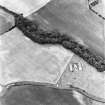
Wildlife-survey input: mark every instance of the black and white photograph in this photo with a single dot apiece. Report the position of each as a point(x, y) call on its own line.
point(52, 52)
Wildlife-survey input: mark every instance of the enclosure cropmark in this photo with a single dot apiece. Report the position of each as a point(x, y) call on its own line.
point(95, 6)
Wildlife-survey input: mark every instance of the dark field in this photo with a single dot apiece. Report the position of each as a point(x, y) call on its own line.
point(38, 95)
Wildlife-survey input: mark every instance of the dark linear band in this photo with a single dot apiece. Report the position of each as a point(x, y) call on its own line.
point(31, 30)
point(91, 9)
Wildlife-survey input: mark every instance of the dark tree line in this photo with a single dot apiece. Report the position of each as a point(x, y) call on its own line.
point(40, 36)
point(31, 30)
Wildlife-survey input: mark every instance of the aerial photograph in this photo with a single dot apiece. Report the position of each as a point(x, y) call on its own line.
point(52, 52)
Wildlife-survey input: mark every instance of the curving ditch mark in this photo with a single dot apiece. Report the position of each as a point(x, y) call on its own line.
point(93, 3)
